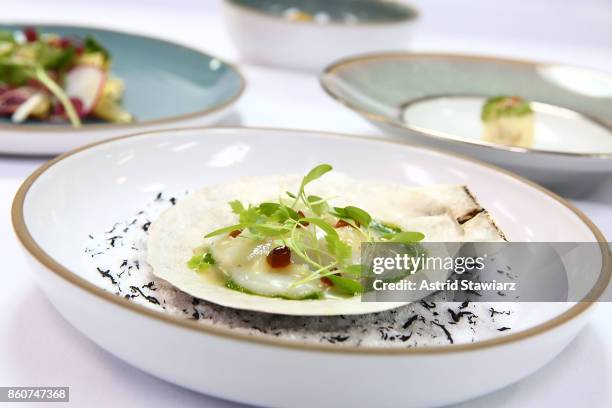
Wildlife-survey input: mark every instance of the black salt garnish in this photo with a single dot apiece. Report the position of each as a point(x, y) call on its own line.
point(410, 321)
point(448, 335)
point(151, 299)
point(107, 274)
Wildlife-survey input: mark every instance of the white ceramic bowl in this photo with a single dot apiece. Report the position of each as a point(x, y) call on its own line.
point(264, 33)
point(90, 188)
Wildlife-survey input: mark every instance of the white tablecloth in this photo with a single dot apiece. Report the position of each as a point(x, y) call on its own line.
point(37, 347)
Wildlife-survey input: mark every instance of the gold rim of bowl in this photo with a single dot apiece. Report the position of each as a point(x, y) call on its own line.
point(335, 67)
point(28, 242)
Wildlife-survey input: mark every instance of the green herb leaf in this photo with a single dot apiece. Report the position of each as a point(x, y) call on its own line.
point(346, 285)
point(92, 45)
point(328, 229)
point(312, 175)
point(316, 173)
point(318, 205)
point(268, 209)
point(384, 227)
point(404, 237)
point(338, 248)
point(225, 230)
point(201, 262)
point(359, 215)
point(352, 213)
point(236, 206)
point(250, 216)
point(352, 270)
point(268, 230)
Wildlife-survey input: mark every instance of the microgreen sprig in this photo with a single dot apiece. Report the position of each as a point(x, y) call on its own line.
point(287, 225)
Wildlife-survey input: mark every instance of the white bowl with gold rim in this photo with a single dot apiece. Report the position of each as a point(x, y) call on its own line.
point(88, 189)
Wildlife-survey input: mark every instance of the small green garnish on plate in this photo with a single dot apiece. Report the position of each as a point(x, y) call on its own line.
point(503, 105)
point(509, 121)
point(201, 262)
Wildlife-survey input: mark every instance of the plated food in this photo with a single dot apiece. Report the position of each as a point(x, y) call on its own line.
point(269, 244)
point(437, 100)
point(150, 84)
point(508, 120)
point(111, 285)
point(48, 77)
point(316, 32)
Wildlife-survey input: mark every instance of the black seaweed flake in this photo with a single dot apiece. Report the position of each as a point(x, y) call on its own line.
point(150, 286)
point(410, 321)
point(448, 335)
point(405, 338)
point(107, 274)
point(172, 200)
point(113, 239)
point(151, 299)
point(428, 306)
point(113, 228)
point(336, 339)
point(497, 312)
point(464, 304)
point(457, 316)
point(503, 328)
point(146, 225)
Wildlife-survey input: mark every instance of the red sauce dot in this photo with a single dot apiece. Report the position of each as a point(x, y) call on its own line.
point(326, 281)
point(279, 257)
point(342, 224)
point(235, 233)
point(30, 34)
point(302, 215)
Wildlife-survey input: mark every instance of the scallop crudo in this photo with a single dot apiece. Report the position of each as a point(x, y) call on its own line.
point(292, 245)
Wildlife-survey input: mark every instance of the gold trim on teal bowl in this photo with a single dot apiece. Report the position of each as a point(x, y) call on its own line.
point(335, 67)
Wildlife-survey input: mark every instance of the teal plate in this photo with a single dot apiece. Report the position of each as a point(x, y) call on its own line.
point(435, 100)
point(167, 84)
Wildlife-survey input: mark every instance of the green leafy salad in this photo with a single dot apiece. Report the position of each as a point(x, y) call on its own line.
point(56, 78)
point(298, 247)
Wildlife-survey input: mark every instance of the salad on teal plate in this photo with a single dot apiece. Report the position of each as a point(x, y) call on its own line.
point(76, 76)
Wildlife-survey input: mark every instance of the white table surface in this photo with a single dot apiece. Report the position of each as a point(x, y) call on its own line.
point(37, 347)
